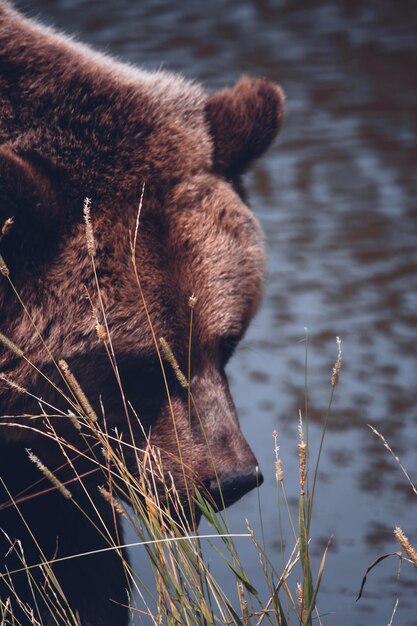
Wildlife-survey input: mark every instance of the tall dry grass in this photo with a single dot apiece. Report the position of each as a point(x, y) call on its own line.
point(184, 590)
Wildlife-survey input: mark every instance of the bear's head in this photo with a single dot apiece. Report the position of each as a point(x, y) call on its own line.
point(116, 329)
point(171, 281)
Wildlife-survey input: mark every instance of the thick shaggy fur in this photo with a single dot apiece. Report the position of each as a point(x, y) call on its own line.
point(74, 123)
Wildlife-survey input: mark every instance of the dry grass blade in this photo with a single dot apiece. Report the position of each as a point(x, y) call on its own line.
point(393, 613)
point(396, 458)
point(371, 566)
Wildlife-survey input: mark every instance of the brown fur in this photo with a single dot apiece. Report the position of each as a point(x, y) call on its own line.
point(74, 123)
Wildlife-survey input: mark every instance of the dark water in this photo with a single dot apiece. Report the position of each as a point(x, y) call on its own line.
point(337, 199)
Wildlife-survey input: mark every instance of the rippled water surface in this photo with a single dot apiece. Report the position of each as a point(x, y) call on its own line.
point(337, 199)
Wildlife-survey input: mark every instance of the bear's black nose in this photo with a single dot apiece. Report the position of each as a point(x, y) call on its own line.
point(228, 488)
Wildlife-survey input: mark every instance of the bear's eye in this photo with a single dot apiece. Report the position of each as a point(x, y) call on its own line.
point(228, 345)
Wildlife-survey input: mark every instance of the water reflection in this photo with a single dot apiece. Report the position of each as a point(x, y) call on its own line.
point(337, 201)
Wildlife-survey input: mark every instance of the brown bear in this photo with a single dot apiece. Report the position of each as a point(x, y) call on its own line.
point(162, 162)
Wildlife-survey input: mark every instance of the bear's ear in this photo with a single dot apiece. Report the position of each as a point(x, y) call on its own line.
point(26, 195)
point(243, 122)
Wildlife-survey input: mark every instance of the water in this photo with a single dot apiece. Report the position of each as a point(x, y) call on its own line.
point(336, 197)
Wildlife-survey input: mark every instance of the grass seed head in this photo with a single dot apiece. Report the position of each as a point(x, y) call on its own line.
point(109, 497)
point(91, 242)
point(101, 332)
point(192, 301)
point(49, 475)
point(300, 594)
point(74, 420)
point(302, 454)
point(11, 383)
point(3, 267)
point(7, 226)
point(169, 355)
point(338, 364)
point(279, 472)
point(406, 545)
point(77, 391)
point(10, 345)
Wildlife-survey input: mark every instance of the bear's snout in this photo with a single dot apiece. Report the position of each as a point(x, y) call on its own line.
point(226, 489)
point(226, 465)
